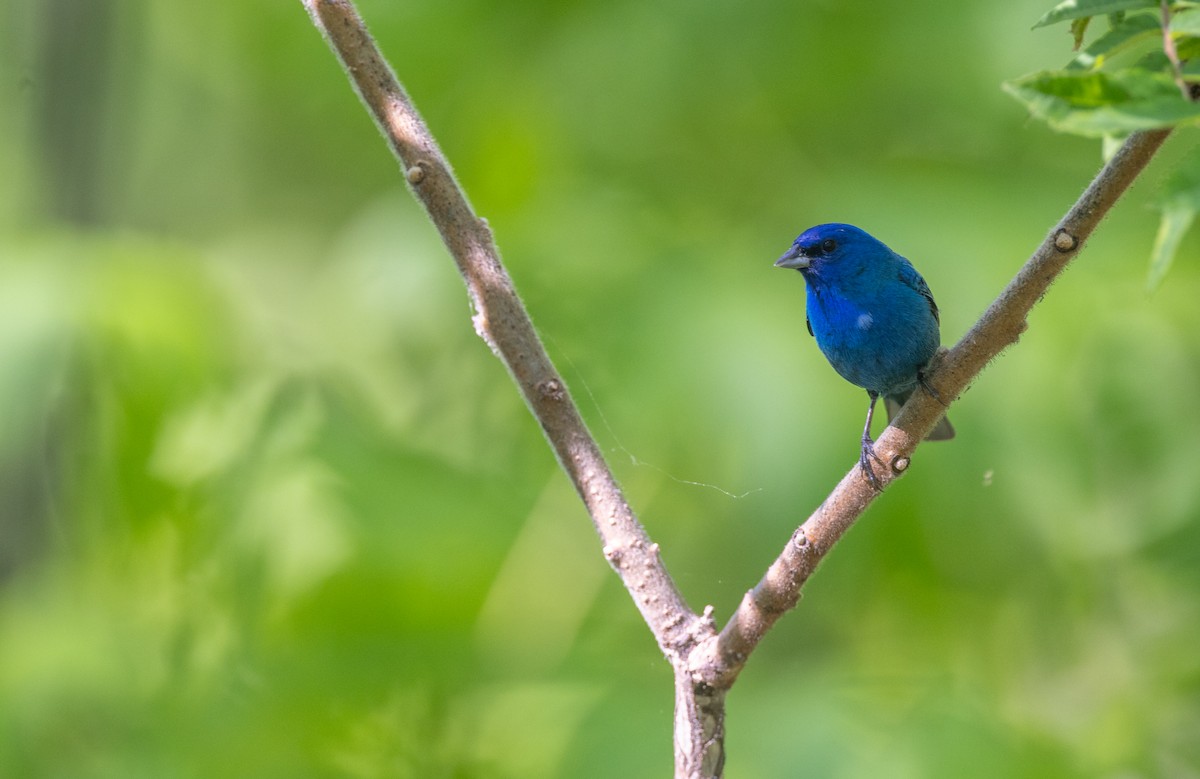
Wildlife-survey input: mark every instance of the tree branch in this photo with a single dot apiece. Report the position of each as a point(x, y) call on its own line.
point(502, 322)
point(719, 660)
point(706, 663)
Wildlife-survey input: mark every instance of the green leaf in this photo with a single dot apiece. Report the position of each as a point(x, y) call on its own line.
point(1110, 145)
point(1153, 61)
point(1179, 203)
point(1094, 104)
point(1130, 32)
point(1186, 23)
point(1171, 229)
point(1077, 9)
point(1078, 28)
point(1188, 47)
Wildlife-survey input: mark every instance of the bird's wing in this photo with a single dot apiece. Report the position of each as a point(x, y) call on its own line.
point(909, 275)
point(808, 324)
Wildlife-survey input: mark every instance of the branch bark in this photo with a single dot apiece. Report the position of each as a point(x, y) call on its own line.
point(502, 322)
point(706, 663)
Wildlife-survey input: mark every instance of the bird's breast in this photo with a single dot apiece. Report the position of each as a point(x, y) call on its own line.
point(876, 344)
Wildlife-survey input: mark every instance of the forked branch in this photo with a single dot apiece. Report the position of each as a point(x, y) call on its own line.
point(706, 663)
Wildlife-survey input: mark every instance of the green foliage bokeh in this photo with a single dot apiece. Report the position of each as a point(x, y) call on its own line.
point(269, 508)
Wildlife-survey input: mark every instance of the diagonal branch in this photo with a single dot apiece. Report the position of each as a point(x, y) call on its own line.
point(718, 661)
point(502, 322)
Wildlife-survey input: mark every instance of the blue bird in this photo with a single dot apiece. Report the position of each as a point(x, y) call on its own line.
point(873, 317)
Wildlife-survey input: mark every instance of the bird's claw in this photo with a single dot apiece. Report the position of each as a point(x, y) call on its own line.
point(864, 461)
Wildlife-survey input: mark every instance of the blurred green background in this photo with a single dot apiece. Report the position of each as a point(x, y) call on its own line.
point(269, 508)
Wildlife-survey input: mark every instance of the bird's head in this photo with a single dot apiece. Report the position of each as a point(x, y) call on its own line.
point(831, 248)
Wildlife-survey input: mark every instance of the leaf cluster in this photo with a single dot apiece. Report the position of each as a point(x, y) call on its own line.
point(1142, 73)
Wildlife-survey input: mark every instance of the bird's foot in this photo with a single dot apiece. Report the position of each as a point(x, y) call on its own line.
point(864, 461)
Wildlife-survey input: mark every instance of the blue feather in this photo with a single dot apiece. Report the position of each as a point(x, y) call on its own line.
point(871, 313)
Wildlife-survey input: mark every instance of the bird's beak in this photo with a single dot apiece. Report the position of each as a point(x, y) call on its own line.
point(793, 258)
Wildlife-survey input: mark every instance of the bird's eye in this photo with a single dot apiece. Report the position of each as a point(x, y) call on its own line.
point(828, 245)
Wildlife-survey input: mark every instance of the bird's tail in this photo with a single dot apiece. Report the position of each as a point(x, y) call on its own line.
point(942, 431)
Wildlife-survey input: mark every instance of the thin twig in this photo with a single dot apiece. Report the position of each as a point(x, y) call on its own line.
point(1171, 52)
